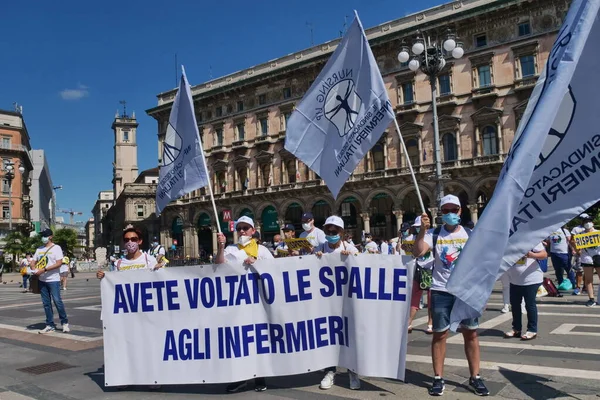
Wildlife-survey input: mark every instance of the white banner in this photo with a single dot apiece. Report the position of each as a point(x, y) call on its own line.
point(222, 323)
point(553, 168)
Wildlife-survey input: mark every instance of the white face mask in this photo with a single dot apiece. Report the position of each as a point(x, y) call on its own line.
point(588, 225)
point(244, 240)
point(307, 226)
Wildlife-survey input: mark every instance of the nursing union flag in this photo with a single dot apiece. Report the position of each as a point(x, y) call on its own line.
point(343, 114)
point(183, 167)
point(552, 171)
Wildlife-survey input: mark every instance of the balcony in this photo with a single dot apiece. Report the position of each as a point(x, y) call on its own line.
point(484, 92)
point(409, 107)
point(239, 144)
point(525, 83)
point(262, 138)
point(217, 149)
point(446, 99)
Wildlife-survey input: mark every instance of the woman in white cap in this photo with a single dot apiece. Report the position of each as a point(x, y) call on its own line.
point(334, 232)
point(246, 251)
point(422, 281)
point(590, 257)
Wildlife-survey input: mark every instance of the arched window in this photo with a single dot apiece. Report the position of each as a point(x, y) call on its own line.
point(412, 146)
point(378, 157)
point(221, 182)
point(490, 141)
point(449, 143)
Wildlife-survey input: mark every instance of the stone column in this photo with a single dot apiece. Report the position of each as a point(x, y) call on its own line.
point(284, 174)
point(420, 147)
point(457, 137)
point(187, 241)
point(366, 218)
point(473, 208)
point(434, 213)
point(195, 249)
point(477, 141)
point(298, 174)
point(235, 236)
point(257, 225)
point(399, 218)
point(214, 239)
point(248, 177)
point(500, 139)
point(236, 180)
point(385, 156)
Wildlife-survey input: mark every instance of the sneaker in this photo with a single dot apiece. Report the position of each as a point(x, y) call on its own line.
point(354, 380)
point(260, 384)
point(478, 386)
point(590, 303)
point(66, 328)
point(576, 292)
point(437, 388)
point(47, 329)
point(236, 386)
point(505, 309)
point(327, 381)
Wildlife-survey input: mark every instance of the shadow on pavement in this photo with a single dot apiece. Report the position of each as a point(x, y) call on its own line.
point(36, 327)
point(491, 333)
point(532, 385)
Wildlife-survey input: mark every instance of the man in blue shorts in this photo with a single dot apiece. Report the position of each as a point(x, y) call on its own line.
point(447, 242)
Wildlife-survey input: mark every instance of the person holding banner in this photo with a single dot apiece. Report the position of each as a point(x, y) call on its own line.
point(334, 231)
point(589, 257)
point(314, 235)
point(525, 278)
point(135, 258)
point(247, 251)
point(447, 242)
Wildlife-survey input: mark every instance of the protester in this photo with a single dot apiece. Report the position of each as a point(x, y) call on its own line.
point(247, 252)
point(384, 247)
point(135, 258)
point(558, 243)
point(370, 246)
point(403, 233)
point(424, 264)
point(277, 243)
point(334, 231)
point(72, 268)
point(157, 251)
point(64, 273)
point(590, 257)
point(314, 235)
point(46, 262)
point(447, 242)
point(25, 271)
point(525, 277)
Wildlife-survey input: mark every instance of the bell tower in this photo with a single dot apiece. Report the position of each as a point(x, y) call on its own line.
point(125, 167)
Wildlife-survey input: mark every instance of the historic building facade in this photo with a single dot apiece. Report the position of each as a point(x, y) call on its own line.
point(482, 96)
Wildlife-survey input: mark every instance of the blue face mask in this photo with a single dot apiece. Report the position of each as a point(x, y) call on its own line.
point(451, 219)
point(332, 239)
point(417, 230)
point(404, 233)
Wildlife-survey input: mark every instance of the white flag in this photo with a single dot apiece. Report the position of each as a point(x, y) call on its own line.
point(343, 114)
point(552, 171)
point(183, 167)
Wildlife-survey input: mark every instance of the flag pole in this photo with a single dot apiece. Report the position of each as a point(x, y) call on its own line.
point(412, 172)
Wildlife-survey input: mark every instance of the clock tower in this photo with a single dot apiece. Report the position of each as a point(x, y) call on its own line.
point(125, 167)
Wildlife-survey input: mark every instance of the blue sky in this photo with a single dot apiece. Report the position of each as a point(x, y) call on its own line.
point(70, 62)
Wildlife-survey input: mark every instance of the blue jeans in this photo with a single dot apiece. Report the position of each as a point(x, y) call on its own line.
point(561, 264)
point(517, 293)
point(441, 307)
point(51, 290)
point(25, 280)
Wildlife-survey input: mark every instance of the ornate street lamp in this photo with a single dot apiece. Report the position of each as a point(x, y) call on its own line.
point(9, 175)
point(429, 55)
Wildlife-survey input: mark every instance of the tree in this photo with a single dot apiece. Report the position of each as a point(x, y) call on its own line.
point(15, 244)
point(32, 243)
point(67, 240)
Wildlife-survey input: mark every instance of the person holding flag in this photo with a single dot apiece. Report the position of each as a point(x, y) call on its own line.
point(446, 242)
point(247, 251)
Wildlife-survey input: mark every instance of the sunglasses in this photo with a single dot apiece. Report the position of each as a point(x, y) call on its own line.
point(243, 228)
point(450, 210)
point(131, 239)
point(331, 232)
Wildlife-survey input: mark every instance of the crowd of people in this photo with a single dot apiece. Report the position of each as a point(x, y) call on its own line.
point(435, 251)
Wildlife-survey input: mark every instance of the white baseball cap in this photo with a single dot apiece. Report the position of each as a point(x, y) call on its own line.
point(449, 199)
point(585, 216)
point(246, 220)
point(417, 222)
point(335, 220)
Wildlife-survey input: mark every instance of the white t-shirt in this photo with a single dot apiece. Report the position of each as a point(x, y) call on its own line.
point(343, 246)
point(384, 248)
point(64, 268)
point(315, 237)
point(526, 271)
point(145, 260)
point(586, 254)
point(448, 248)
point(559, 241)
point(46, 257)
point(233, 253)
point(371, 247)
point(426, 261)
point(157, 251)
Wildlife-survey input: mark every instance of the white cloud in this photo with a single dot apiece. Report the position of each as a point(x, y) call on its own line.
point(75, 94)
